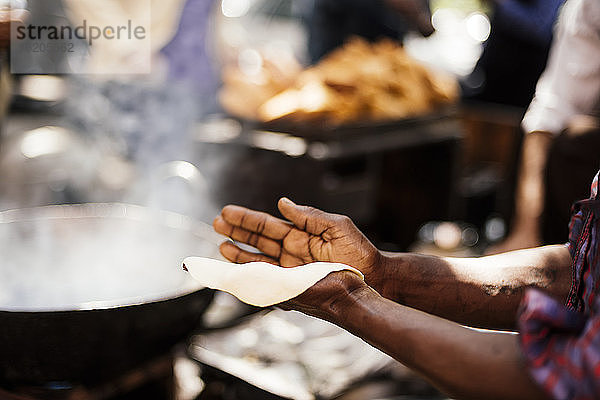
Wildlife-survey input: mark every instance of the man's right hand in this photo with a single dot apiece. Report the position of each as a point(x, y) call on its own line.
point(308, 235)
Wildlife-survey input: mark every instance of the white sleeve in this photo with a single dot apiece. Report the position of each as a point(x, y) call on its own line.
point(570, 85)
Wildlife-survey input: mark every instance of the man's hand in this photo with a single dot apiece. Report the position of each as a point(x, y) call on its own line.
point(329, 298)
point(309, 235)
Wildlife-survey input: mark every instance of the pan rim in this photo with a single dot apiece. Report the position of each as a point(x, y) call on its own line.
point(106, 304)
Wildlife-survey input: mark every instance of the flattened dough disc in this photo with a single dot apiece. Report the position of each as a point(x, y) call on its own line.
point(259, 283)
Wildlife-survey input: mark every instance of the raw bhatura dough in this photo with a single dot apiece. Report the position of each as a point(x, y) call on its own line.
point(258, 283)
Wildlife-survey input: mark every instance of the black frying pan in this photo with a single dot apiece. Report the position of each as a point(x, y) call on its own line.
point(88, 292)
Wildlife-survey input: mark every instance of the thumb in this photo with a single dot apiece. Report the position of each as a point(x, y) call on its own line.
point(309, 219)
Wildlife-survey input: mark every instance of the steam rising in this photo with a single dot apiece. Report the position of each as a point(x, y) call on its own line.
point(133, 143)
point(122, 255)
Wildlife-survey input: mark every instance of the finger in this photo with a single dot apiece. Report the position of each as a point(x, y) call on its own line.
point(295, 243)
point(256, 221)
point(234, 254)
point(268, 246)
point(309, 219)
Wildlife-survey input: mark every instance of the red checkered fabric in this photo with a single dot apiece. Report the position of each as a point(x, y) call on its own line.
point(562, 342)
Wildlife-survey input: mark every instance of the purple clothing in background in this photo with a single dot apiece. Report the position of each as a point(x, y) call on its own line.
point(188, 53)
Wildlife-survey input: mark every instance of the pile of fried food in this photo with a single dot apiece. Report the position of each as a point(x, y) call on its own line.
point(357, 83)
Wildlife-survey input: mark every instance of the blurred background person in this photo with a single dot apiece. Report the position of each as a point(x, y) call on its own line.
point(561, 134)
point(495, 96)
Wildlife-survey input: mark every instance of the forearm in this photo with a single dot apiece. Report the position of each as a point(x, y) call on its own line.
point(483, 292)
point(461, 362)
point(530, 188)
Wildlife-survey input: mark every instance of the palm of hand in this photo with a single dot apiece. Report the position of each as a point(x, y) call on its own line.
point(312, 236)
point(341, 243)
